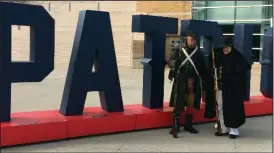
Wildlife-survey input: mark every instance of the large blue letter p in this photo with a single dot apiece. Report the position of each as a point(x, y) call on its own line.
point(41, 49)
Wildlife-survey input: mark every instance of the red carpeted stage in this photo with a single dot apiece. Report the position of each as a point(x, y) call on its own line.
point(40, 126)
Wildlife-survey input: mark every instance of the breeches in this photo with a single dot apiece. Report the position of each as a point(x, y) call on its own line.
point(189, 98)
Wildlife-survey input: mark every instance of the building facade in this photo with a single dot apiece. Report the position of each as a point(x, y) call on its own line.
point(128, 46)
point(229, 13)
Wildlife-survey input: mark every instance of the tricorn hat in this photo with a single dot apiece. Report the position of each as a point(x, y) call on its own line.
point(227, 41)
point(188, 33)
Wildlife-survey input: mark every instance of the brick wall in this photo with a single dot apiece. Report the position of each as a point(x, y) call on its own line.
point(66, 18)
point(128, 45)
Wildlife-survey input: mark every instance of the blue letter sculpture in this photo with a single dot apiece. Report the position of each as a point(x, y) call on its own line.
point(266, 86)
point(93, 45)
point(243, 43)
point(41, 49)
point(155, 29)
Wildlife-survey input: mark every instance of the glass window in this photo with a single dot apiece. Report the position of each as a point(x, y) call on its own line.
point(199, 14)
point(214, 13)
point(267, 11)
point(221, 3)
point(226, 14)
point(198, 3)
point(246, 3)
point(220, 14)
point(248, 13)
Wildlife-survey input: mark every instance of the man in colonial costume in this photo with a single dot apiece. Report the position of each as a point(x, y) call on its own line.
point(229, 83)
point(189, 72)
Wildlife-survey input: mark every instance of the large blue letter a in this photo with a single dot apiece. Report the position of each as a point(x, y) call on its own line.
point(93, 45)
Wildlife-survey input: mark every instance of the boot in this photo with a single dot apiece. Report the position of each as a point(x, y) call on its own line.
point(174, 129)
point(188, 125)
point(178, 118)
point(221, 134)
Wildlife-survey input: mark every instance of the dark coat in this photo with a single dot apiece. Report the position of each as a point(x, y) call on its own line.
point(235, 69)
point(199, 61)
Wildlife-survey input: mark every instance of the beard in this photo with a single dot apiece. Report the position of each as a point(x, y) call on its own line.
point(190, 45)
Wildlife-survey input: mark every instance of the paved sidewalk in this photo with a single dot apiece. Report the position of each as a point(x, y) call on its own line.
point(46, 95)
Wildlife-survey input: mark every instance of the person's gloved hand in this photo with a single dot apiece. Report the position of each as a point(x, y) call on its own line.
point(177, 63)
point(171, 74)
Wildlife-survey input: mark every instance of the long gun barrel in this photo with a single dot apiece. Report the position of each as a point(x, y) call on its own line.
point(216, 91)
point(176, 77)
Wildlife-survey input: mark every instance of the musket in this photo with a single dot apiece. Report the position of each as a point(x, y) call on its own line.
point(176, 69)
point(175, 76)
point(219, 129)
point(176, 89)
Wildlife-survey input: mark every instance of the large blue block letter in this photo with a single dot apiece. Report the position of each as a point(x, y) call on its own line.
point(93, 45)
point(41, 49)
point(155, 29)
point(243, 43)
point(266, 86)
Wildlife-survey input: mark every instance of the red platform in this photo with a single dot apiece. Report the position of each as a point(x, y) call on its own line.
point(33, 127)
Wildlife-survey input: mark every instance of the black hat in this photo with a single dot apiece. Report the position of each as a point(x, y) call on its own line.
point(227, 41)
point(188, 33)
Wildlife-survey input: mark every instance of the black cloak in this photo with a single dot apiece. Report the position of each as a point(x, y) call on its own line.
point(235, 68)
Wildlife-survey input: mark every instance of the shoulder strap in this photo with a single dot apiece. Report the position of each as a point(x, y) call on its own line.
point(188, 58)
point(192, 63)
